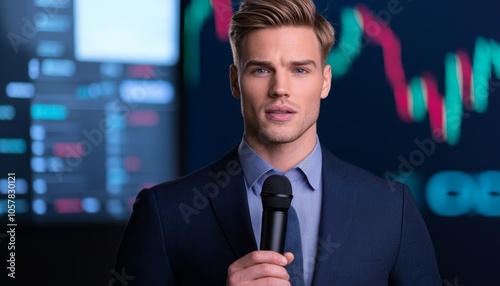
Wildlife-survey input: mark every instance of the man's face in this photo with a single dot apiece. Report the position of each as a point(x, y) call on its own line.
point(280, 82)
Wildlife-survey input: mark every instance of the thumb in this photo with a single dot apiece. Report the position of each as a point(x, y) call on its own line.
point(289, 256)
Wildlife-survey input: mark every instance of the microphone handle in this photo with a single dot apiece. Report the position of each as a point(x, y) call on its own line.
point(273, 230)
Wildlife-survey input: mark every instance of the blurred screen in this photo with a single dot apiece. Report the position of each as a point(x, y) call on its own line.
point(89, 105)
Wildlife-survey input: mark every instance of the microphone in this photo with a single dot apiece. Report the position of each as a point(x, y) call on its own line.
point(276, 200)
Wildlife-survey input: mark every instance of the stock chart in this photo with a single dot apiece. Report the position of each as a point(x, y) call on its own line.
point(415, 99)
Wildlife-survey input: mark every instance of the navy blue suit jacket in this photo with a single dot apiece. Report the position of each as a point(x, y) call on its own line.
point(188, 231)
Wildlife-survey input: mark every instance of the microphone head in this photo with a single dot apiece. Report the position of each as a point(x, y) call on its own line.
point(276, 193)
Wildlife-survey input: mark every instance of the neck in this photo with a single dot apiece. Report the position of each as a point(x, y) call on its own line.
point(284, 156)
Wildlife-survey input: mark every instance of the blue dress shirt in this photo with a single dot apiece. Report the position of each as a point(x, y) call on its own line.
point(306, 182)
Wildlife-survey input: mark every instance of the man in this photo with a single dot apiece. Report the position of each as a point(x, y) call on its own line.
point(204, 229)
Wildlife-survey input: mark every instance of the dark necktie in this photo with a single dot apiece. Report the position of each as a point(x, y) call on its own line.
point(293, 245)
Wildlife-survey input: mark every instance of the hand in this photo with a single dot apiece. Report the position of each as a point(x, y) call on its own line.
point(260, 268)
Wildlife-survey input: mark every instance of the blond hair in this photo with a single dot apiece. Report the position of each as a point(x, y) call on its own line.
point(258, 14)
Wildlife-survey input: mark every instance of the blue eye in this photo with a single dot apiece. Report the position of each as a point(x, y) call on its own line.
point(299, 70)
point(260, 71)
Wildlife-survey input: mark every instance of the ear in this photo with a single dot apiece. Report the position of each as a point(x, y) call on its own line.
point(327, 81)
point(233, 79)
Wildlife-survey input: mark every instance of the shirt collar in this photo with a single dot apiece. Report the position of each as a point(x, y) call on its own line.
point(311, 166)
point(254, 166)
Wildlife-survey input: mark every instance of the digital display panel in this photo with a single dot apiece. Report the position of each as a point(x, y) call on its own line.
point(89, 105)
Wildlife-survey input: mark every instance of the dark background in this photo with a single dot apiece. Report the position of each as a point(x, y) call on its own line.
point(358, 123)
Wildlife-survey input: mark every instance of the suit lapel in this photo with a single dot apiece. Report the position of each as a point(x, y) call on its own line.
point(230, 205)
point(336, 215)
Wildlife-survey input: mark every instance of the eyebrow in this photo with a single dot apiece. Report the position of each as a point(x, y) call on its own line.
point(302, 63)
point(256, 63)
point(291, 63)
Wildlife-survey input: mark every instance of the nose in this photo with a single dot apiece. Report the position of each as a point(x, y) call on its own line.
point(279, 85)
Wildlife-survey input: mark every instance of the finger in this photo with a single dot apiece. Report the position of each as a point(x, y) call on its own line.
point(271, 281)
point(290, 257)
point(262, 272)
point(258, 257)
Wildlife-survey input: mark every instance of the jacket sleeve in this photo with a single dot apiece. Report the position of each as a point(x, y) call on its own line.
point(416, 262)
point(142, 258)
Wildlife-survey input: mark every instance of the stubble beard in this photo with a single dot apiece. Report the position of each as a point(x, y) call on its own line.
point(267, 137)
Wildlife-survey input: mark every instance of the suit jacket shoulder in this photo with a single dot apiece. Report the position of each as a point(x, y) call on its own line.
point(189, 230)
point(371, 231)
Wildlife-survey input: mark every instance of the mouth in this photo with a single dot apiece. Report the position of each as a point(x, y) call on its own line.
point(280, 110)
point(280, 113)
